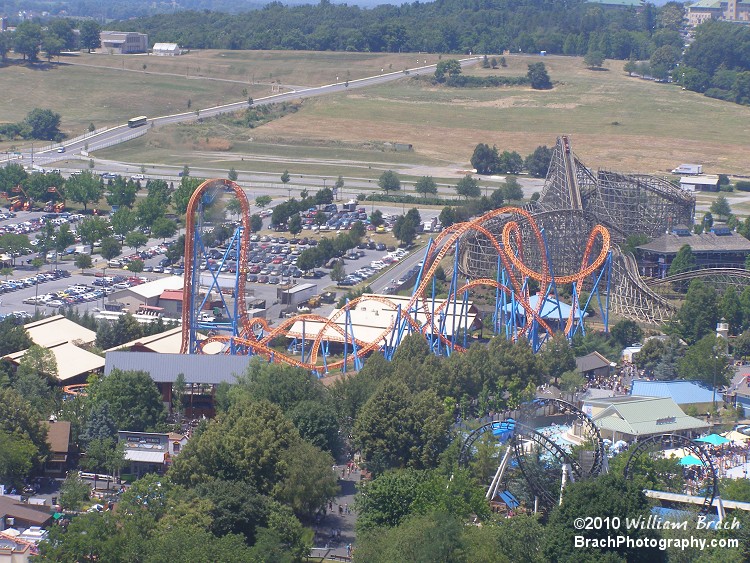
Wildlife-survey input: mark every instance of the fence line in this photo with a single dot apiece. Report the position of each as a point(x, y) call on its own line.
point(106, 144)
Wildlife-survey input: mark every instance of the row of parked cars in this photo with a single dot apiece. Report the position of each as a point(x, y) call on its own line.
point(360, 275)
point(20, 283)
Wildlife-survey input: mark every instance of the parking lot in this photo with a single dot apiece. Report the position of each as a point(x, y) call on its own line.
point(272, 262)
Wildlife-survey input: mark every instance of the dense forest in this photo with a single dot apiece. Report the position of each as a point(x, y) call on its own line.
point(569, 27)
point(718, 62)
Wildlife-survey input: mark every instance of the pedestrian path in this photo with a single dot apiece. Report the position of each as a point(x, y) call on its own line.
point(335, 531)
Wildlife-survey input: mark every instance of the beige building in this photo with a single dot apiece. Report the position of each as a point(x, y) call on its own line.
point(146, 294)
point(67, 342)
point(123, 42)
point(726, 10)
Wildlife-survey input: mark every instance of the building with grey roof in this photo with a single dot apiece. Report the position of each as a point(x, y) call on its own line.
point(202, 372)
point(726, 10)
point(721, 248)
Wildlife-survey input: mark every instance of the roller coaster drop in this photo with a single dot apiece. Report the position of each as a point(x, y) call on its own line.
point(513, 314)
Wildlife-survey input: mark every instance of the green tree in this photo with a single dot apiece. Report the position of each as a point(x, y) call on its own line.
point(232, 175)
point(234, 207)
point(16, 462)
point(387, 500)
point(93, 229)
point(405, 229)
point(731, 310)
point(136, 266)
point(44, 124)
point(309, 482)
point(389, 181)
point(14, 337)
point(110, 248)
point(37, 369)
point(122, 193)
point(557, 357)
point(99, 424)
point(248, 443)
point(84, 188)
point(376, 218)
point(684, 261)
point(14, 244)
point(295, 224)
point(720, 207)
point(74, 492)
point(256, 223)
point(104, 455)
point(183, 193)
point(83, 261)
point(537, 163)
point(538, 77)
point(698, 315)
point(338, 272)
point(263, 200)
point(63, 30)
point(135, 240)
point(426, 185)
point(324, 196)
point(468, 187)
point(89, 34)
point(123, 222)
point(626, 332)
point(512, 190)
point(428, 537)
point(63, 239)
point(26, 40)
point(398, 429)
point(703, 359)
point(593, 58)
point(451, 67)
point(485, 160)
point(134, 400)
point(608, 496)
point(163, 228)
point(52, 46)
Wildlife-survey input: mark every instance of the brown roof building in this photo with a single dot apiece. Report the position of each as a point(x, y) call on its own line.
point(23, 515)
point(58, 438)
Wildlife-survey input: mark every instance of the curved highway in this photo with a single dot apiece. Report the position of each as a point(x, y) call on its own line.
point(122, 133)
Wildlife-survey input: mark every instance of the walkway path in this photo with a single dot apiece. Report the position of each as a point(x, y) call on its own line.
point(341, 516)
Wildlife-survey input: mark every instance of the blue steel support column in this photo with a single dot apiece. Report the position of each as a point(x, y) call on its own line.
point(465, 313)
point(454, 289)
point(495, 316)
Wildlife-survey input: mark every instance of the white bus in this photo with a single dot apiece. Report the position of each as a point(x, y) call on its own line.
point(137, 121)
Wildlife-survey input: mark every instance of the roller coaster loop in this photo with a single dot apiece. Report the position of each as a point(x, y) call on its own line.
point(424, 314)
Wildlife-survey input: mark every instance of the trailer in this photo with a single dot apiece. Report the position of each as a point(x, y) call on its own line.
point(688, 169)
point(296, 294)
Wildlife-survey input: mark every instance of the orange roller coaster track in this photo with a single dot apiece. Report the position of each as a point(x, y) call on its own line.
point(256, 336)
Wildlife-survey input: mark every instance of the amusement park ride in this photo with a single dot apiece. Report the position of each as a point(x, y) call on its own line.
point(511, 282)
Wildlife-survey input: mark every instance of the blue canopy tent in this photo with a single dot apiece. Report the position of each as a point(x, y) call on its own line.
point(714, 440)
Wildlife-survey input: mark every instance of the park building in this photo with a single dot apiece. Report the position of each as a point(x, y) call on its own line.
point(166, 50)
point(68, 342)
point(632, 418)
point(123, 42)
point(700, 183)
point(720, 248)
point(725, 10)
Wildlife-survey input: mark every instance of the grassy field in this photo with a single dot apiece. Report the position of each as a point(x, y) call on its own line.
point(109, 89)
point(615, 121)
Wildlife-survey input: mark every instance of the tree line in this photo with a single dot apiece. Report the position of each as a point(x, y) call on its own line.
point(457, 26)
